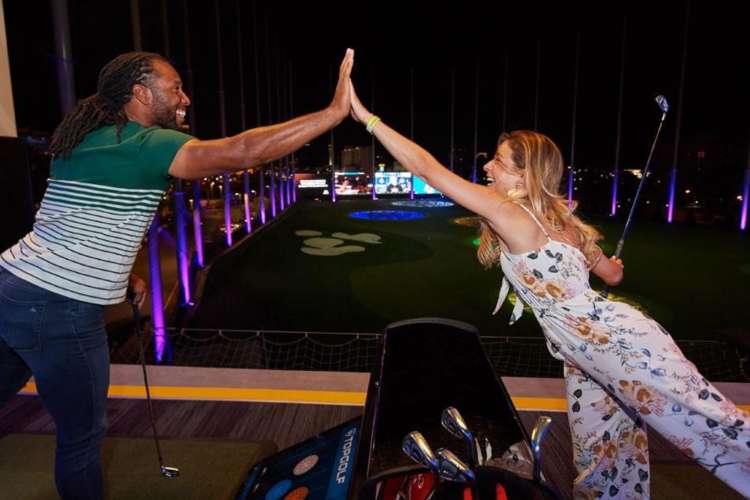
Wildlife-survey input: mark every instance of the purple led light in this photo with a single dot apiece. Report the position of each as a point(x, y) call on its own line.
point(333, 186)
point(247, 203)
point(262, 197)
point(157, 304)
point(228, 208)
point(672, 188)
point(197, 232)
point(273, 194)
point(745, 196)
point(182, 250)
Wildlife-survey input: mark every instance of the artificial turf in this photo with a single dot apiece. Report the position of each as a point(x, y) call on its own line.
point(692, 279)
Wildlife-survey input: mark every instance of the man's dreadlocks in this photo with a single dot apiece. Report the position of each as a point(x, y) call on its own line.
point(114, 89)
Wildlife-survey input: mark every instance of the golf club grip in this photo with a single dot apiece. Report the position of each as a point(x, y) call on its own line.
point(618, 249)
point(616, 255)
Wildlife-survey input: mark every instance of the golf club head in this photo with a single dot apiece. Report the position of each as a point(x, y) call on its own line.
point(168, 472)
point(454, 423)
point(452, 420)
point(661, 101)
point(451, 468)
point(537, 435)
point(415, 445)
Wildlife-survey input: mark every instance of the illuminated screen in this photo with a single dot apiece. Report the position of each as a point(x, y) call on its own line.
point(353, 184)
point(421, 187)
point(313, 184)
point(393, 182)
point(309, 181)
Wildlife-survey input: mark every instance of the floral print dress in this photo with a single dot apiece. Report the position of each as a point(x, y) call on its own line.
point(623, 371)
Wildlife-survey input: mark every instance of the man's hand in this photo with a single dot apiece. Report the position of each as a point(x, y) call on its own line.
point(358, 110)
point(342, 97)
point(261, 145)
point(138, 288)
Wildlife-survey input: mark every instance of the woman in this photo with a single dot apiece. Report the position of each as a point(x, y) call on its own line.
point(622, 370)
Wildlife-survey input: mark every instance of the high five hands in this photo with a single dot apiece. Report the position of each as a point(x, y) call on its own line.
point(341, 103)
point(358, 110)
point(345, 100)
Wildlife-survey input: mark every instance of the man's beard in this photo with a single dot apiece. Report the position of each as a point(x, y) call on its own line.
point(164, 115)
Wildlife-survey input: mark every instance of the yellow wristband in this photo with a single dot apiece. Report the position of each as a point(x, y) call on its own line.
point(374, 119)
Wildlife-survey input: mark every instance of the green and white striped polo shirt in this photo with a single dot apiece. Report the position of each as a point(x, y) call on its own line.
point(98, 205)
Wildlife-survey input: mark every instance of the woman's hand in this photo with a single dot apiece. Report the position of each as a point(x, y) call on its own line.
point(358, 110)
point(341, 103)
point(611, 270)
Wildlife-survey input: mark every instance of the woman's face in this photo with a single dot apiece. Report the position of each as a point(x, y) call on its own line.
point(502, 173)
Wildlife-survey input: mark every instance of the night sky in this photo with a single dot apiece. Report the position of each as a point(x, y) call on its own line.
point(392, 38)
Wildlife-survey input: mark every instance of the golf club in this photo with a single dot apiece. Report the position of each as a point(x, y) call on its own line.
point(165, 470)
point(661, 101)
point(451, 468)
point(454, 423)
point(415, 445)
point(537, 435)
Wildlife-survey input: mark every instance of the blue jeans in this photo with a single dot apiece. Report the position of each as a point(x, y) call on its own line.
point(62, 342)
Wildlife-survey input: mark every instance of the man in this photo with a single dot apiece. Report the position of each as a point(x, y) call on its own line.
point(113, 155)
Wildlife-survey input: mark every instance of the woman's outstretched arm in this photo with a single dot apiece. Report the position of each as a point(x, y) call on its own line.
point(478, 198)
point(507, 220)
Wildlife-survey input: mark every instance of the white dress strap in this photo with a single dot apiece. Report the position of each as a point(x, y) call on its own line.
point(535, 220)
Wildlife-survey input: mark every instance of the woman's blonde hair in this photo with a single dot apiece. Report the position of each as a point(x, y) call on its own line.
point(541, 161)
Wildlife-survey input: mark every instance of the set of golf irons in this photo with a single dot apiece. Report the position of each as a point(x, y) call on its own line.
point(448, 467)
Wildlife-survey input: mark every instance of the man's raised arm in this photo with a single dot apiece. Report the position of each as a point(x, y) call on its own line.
point(261, 145)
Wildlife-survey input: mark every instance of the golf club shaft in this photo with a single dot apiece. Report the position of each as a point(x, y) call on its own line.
point(137, 318)
point(628, 222)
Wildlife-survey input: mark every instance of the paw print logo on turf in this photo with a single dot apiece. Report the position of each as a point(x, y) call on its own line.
point(319, 245)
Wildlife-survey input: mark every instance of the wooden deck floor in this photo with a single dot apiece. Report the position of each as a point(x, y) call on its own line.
point(287, 424)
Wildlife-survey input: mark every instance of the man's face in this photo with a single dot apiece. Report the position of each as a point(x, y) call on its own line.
point(170, 103)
